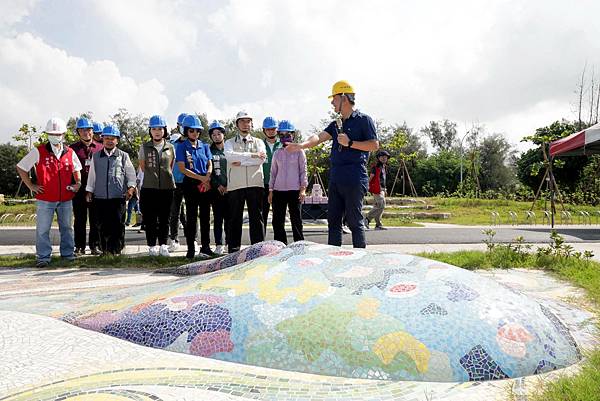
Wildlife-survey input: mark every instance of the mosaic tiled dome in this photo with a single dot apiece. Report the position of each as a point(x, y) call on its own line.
point(343, 312)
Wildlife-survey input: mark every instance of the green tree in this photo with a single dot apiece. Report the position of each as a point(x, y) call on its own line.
point(9, 157)
point(441, 134)
point(495, 155)
point(134, 131)
point(437, 174)
point(531, 165)
point(27, 137)
point(403, 146)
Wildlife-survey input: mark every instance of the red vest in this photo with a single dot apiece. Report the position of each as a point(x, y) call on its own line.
point(55, 174)
point(375, 183)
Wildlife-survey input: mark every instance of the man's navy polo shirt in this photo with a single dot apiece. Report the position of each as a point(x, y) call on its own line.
point(349, 165)
point(195, 158)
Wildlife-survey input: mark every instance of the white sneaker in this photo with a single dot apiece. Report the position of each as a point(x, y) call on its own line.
point(153, 250)
point(219, 249)
point(164, 251)
point(174, 246)
point(346, 230)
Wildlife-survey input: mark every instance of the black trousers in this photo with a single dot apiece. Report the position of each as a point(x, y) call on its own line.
point(111, 224)
point(283, 200)
point(253, 197)
point(177, 212)
point(220, 209)
point(155, 205)
point(81, 211)
point(266, 206)
point(196, 204)
point(345, 203)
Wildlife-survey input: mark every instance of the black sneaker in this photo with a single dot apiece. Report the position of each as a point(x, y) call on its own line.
point(232, 250)
point(79, 251)
point(41, 263)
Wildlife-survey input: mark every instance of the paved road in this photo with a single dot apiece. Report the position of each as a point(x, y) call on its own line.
point(401, 235)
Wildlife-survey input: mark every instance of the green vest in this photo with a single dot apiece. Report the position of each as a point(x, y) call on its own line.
point(219, 174)
point(267, 163)
point(157, 167)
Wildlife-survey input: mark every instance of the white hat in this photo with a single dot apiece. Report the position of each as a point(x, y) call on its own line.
point(174, 137)
point(56, 125)
point(242, 114)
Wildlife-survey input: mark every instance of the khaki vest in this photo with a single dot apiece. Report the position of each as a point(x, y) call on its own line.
point(157, 167)
point(244, 176)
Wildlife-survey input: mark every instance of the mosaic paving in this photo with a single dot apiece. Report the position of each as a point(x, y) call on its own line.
point(295, 309)
point(350, 313)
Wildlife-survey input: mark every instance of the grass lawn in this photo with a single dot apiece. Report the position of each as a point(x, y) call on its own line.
point(469, 211)
point(463, 211)
point(124, 261)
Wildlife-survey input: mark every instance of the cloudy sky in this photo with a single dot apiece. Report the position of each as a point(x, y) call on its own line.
point(511, 65)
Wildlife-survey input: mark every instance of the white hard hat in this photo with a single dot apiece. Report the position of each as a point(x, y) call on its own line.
point(242, 114)
point(56, 125)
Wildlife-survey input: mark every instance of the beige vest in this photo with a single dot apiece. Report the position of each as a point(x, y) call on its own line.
point(244, 176)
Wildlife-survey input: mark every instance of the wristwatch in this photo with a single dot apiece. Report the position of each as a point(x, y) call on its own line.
point(350, 142)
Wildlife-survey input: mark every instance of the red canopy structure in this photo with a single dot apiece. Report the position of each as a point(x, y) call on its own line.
point(586, 142)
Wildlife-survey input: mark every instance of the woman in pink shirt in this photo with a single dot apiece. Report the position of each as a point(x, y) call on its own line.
point(287, 187)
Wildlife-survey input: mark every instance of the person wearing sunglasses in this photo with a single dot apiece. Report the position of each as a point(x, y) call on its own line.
point(272, 144)
point(195, 162)
point(353, 136)
point(287, 185)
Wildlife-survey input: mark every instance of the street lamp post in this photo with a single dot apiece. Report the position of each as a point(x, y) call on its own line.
point(461, 157)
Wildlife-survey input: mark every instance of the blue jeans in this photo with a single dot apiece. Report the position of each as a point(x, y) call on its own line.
point(346, 200)
point(132, 206)
point(45, 215)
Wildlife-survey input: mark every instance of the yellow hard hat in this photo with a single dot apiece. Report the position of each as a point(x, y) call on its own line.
point(341, 87)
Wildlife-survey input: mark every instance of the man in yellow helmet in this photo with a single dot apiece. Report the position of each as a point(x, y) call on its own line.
point(353, 135)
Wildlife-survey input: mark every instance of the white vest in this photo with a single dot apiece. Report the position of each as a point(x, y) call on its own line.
point(244, 176)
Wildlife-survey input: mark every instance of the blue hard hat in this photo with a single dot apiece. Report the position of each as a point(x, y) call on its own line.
point(83, 122)
point(192, 121)
point(98, 128)
point(111, 130)
point(180, 118)
point(215, 125)
point(157, 122)
point(269, 122)
point(286, 126)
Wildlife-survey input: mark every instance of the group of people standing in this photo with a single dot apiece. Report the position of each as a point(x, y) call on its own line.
point(94, 179)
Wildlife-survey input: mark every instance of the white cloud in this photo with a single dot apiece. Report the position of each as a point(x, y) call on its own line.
point(509, 65)
point(40, 81)
point(156, 29)
point(13, 11)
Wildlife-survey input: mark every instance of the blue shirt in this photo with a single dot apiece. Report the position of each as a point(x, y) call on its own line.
point(177, 175)
point(195, 158)
point(349, 165)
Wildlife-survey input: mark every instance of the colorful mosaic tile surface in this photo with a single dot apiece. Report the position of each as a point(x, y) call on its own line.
point(348, 313)
point(46, 359)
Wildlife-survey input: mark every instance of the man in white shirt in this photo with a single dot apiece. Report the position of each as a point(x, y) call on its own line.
point(58, 178)
point(245, 155)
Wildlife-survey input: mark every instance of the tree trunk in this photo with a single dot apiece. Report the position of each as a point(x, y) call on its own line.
point(579, 126)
